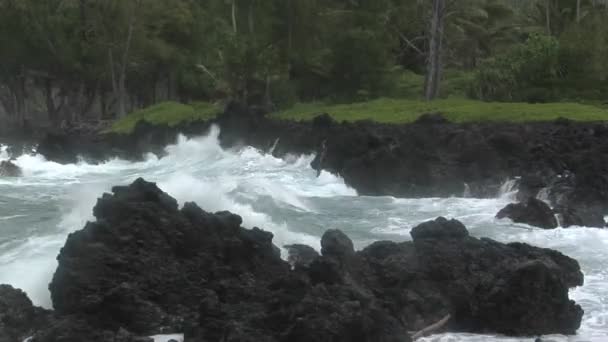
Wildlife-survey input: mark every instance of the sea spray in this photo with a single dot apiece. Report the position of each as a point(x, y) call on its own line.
point(281, 195)
point(508, 189)
point(58, 199)
point(3, 152)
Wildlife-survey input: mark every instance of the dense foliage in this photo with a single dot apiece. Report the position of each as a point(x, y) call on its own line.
point(69, 60)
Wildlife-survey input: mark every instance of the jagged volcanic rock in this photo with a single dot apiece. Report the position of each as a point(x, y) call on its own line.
point(144, 263)
point(147, 267)
point(533, 212)
point(18, 316)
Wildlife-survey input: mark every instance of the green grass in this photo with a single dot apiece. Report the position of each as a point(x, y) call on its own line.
point(169, 113)
point(454, 109)
point(380, 110)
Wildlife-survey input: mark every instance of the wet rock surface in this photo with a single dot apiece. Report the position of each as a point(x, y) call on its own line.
point(533, 212)
point(576, 201)
point(428, 158)
point(18, 316)
point(146, 267)
point(9, 169)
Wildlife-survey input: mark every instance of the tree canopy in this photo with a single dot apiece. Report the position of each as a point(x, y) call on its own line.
point(86, 59)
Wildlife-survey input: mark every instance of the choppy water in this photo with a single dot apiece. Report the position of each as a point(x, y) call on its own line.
point(284, 196)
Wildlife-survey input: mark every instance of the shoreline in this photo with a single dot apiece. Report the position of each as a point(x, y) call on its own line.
point(146, 267)
point(428, 158)
point(563, 161)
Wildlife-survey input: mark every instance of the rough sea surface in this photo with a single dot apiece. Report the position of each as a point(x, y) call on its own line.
point(283, 196)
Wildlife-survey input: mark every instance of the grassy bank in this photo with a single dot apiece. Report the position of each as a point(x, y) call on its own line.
point(454, 109)
point(168, 113)
point(381, 110)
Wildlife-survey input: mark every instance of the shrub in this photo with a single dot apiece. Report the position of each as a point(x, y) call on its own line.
point(528, 73)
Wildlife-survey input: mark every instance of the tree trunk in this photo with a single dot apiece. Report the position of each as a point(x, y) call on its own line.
point(250, 17)
point(82, 4)
point(89, 96)
point(55, 103)
point(435, 58)
point(7, 99)
point(578, 11)
point(289, 36)
point(112, 66)
point(103, 103)
point(170, 86)
point(50, 103)
point(234, 27)
point(20, 98)
point(122, 91)
point(548, 16)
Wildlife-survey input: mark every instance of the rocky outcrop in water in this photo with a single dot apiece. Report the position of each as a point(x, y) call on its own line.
point(578, 202)
point(428, 158)
point(146, 267)
point(533, 212)
point(9, 169)
point(433, 157)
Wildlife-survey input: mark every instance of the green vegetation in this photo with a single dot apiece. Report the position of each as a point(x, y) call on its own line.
point(91, 60)
point(454, 109)
point(167, 113)
point(386, 110)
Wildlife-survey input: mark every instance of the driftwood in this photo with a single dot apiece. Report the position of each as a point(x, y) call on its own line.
point(431, 329)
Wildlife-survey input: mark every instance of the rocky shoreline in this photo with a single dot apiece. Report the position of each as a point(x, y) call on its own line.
point(564, 160)
point(147, 267)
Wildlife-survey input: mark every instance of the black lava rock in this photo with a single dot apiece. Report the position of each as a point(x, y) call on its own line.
point(533, 212)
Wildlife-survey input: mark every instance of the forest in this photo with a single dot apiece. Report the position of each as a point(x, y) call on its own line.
point(91, 61)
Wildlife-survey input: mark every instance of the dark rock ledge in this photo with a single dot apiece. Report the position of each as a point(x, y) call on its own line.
point(532, 211)
point(146, 267)
point(428, 158)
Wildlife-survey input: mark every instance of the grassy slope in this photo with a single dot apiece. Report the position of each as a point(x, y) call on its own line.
point(170, 113)
point(454, 109)
point(381, 110)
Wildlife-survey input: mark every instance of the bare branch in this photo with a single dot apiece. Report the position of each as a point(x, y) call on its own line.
point(207, 71)
point(433, 328)
point(408, 42)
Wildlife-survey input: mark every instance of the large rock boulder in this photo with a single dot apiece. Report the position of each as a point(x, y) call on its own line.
point(483, 285)
point(146, 267)
point(145, 264)
point(514, 289)
point(441, 228)
point(579, 200)
point(533, 212)
point(336, 244)
point(9, 169)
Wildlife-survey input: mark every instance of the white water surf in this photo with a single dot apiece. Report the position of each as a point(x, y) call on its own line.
point(283, 196)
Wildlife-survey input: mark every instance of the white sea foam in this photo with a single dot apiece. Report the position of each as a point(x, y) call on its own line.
point(3, 152)
point(167, 338)
point(508, 189)
point(197, 170)
point(281, 195)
